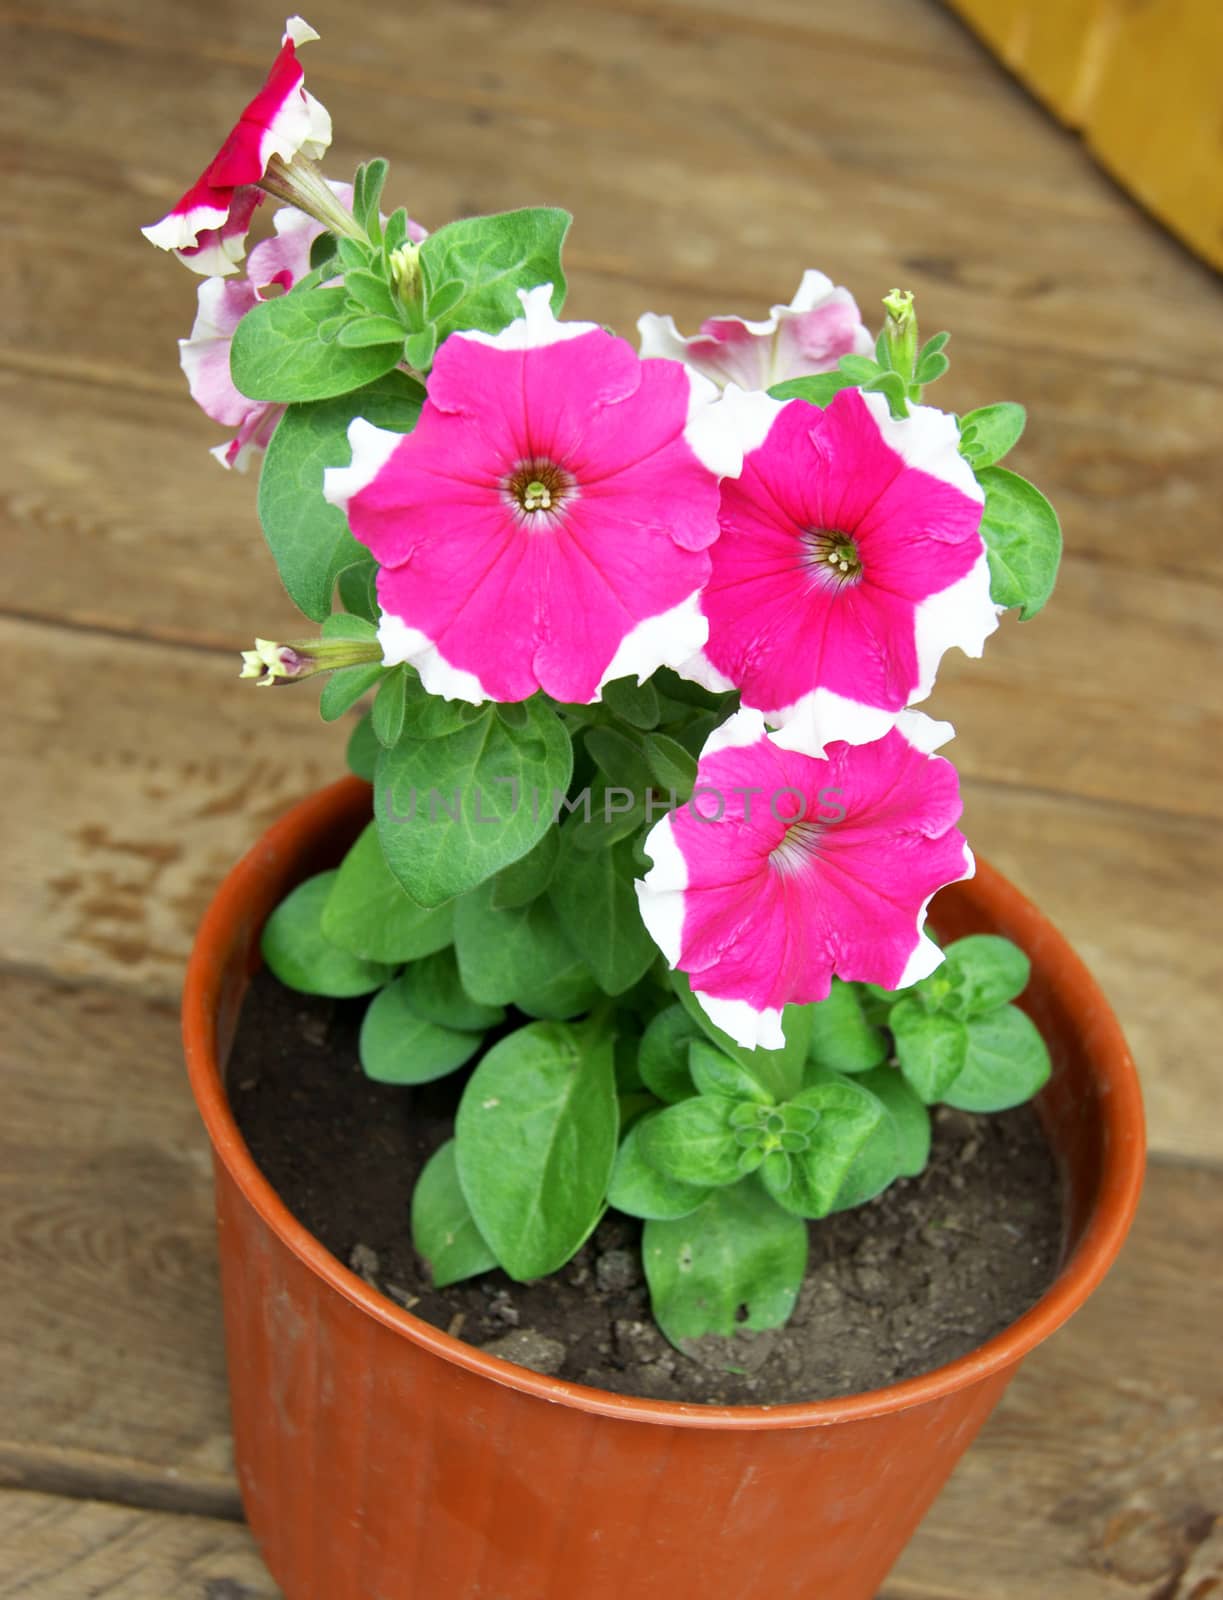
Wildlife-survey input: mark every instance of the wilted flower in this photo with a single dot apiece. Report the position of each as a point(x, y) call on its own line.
point(786, 868)
point(547, 523)
point(820, 325)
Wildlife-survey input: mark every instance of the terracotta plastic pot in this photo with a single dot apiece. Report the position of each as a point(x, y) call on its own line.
point(380, 1459)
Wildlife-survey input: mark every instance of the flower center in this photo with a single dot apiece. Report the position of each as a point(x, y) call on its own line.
point(538, 486)
point(831, 557)
point(799, 846)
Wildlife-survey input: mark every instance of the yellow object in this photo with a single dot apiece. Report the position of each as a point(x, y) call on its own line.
point(1142, 80)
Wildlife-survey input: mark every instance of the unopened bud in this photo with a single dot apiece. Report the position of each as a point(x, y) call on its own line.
point(900, 332)
point(405, 272)
point(271, 663)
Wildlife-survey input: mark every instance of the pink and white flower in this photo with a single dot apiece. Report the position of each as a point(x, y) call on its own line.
point(547, 524)
point(207, 229)
point(820, 325)
point(278, 262)
point(787, 868)
point(850, 560)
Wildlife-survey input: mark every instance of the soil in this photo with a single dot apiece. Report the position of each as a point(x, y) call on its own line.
point(913, 1279)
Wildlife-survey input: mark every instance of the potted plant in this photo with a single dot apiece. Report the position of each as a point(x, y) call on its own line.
point(642, 878)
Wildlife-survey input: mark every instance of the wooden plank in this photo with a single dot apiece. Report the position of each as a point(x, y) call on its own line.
point(719, 134)
point(1100, 1477)
point(67, 1549)
point(175, 548)
point(138, 772)
point(110, 1325)
point(1105, 1454)
point(1084, 668)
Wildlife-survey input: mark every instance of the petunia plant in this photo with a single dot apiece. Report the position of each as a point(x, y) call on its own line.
point(631, 640)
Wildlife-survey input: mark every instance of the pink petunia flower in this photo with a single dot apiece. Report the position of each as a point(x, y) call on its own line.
point(207, 229)
point(547, 524)
point(787, 868)
point(849, 561)
point(820, 325)
point(278, 262)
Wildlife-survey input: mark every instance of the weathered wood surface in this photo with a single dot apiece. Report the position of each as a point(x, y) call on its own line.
point(58, 1549)
point(711, 152)
point(1096, 1477)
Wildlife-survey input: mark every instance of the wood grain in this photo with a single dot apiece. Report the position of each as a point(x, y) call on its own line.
point(711, 152)
point(1095, 1480)
point(69, 1549)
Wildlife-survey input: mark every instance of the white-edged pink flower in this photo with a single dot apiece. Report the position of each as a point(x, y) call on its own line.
point(850, 560)
point(547, 524)
point(278, 262)
point(207, 228)
point(786, 868)
point(820, 325)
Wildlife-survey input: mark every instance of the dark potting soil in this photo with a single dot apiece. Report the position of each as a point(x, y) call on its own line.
point(922, 1274)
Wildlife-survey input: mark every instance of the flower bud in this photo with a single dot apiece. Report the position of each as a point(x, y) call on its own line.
point(900, 332)
point(271, 663)
point(405, 272)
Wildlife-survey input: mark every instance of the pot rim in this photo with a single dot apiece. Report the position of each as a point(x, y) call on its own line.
point(1123, 1163)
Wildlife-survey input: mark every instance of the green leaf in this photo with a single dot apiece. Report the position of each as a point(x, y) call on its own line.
point(453, 811)
point(444, 298)
point(816, 390)
point(367, 192)
point(858, 369)
point(899, 1146)
point(537, 1132)
point(841, 1037)
point(1008, 1062)
point(932, 1047)
point(420, 348)
point(694, 1142)
point(641, 1190)
point(636, 702)
point(620, 758)
point(893, 386)
point(398, 1045)
point(908, 1114)
point(506, 955)
point(493, 257)
point(670, 765)
point(428, 716)
point(525, 880)
point(374, 295)
point(931, 367)
point(569, 992)
point(736, 1250)
point(444, 1231)
point(778, 1071)
point(309, 538)
point(357, 591)
point(614, 815)
point(986, 970)
point(714, 1072)
point(989, 432)
point(1023, 540)
point(362, 751)
point(299, 953)
point(362, 333)
point(848, 1115)
point(594, 897)
point(344, 688)
point(389, 707)
point(322, 251)
point(662, 1059)
point(277, 353)
point(435, 991)
point(369, 914)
